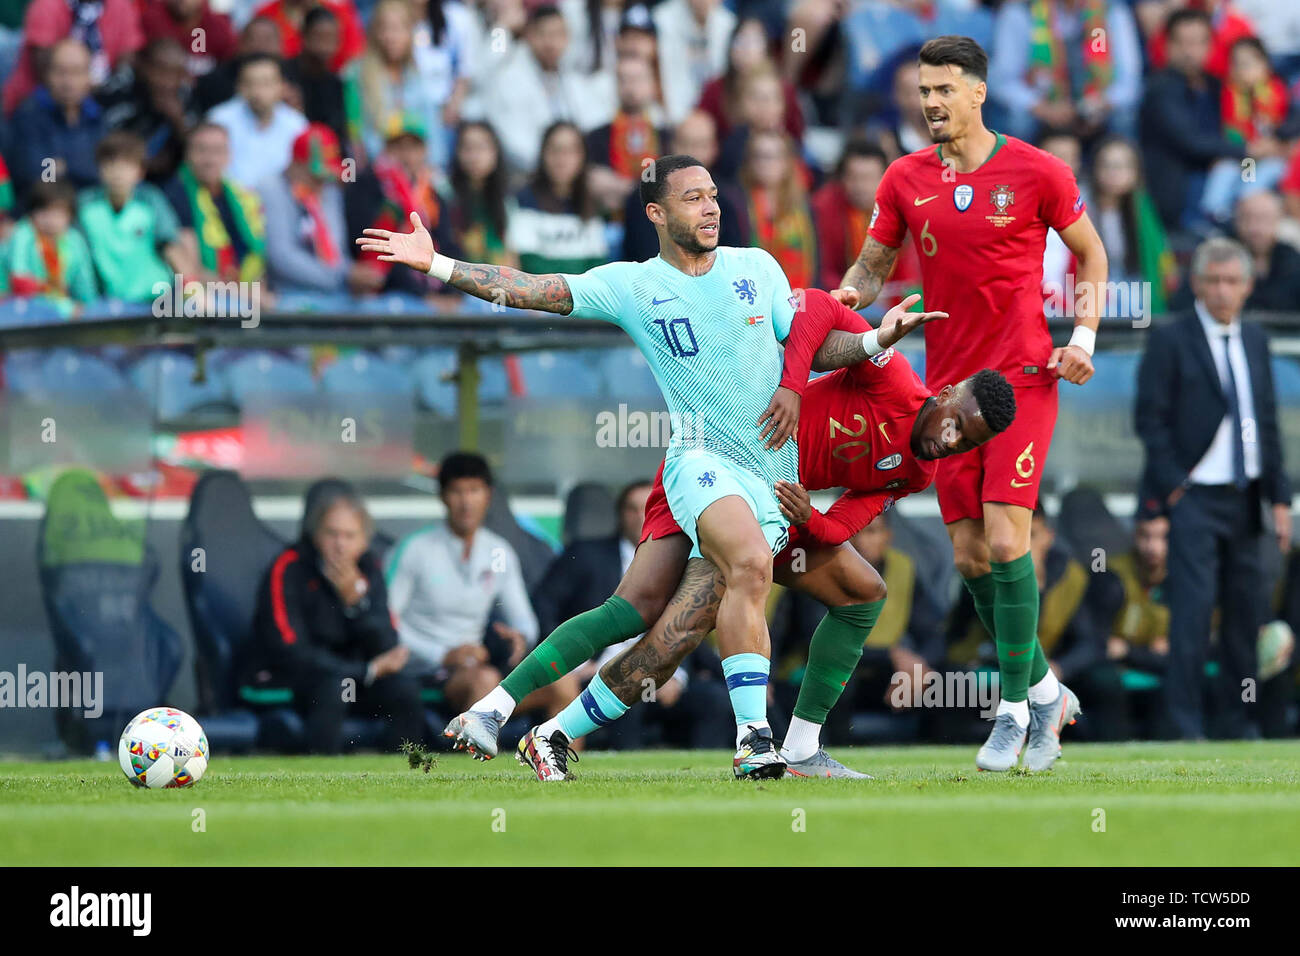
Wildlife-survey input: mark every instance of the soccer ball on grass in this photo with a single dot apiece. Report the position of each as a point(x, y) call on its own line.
point(163, 747)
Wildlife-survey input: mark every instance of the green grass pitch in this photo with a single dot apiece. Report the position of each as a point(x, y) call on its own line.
point(1170, 804)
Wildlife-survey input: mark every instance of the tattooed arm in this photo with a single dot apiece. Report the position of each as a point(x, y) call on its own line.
point(689, 616)
point(499, 284)
point(842, 349)
point(867, 275)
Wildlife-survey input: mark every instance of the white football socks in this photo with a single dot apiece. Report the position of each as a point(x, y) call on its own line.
point(496, 700)
point(1018, 709)
point(802, 740)
point(1046, 690)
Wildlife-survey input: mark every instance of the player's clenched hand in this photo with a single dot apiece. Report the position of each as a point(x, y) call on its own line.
point(414, 248)
point(792, 498)
point(846, 296)
point(1071, 363)
point(781, 418)
point(898, 321)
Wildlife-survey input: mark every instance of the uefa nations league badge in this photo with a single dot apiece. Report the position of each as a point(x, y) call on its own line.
point(962, 196)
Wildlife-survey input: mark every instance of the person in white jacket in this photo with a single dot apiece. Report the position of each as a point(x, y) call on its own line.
point(693, 40)
point(532, 89)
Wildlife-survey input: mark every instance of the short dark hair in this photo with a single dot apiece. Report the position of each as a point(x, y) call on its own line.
point(954, 50)
point(995, 397)
point(317, 15)
point(463, 464)
point(120, 144)
point(860, 148)
point(252, 59)
point(44, 195)
point(654, 178)
point(630, 487)
point(1254, 43)
point(540, 13)
point(1186, 15)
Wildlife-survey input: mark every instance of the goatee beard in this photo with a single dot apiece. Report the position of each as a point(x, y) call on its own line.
point(687, 240)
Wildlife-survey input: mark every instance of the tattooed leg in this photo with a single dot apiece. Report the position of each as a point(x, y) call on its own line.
point(689, 616)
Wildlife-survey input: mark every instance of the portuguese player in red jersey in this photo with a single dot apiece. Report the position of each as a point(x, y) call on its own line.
point(872, 428)
point(978, 205)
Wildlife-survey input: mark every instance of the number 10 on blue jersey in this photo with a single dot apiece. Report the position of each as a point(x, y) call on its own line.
point(672, 331)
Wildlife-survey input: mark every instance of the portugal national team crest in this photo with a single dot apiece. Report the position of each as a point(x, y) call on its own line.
point(962, 197)
point(1002, 197)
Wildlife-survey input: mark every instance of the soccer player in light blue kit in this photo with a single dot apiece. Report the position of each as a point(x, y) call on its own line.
point(709, 321)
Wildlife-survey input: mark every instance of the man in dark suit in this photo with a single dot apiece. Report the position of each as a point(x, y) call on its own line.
point(1182, 129)
point(693, 706)
point(1207, 414)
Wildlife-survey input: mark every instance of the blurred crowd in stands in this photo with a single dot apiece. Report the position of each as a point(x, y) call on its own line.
point(149, 138)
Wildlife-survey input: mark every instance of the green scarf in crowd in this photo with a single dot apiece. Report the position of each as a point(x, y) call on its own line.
point(216, 248)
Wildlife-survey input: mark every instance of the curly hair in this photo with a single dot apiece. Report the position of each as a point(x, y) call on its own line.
point(995, 397)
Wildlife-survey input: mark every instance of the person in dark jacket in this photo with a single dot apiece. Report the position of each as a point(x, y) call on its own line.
point(1182, 125)
point(1207, 415)
point(323, 629)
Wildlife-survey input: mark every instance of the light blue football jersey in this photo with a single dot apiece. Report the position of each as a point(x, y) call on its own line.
point(712, 342)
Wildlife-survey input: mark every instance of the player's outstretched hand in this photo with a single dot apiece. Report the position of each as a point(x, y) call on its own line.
point(1071, 363)
point(898, 321)
point(781, 419)
point(414, 248)
point(792, 498)
point(846, 296)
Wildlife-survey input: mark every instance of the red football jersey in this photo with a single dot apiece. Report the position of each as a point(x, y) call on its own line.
point(980, 237)
point(855, 424)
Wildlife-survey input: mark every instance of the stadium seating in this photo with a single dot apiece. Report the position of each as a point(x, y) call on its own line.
point(168, 378)
point(70, 372)
point(569, 375)
point(221, 594)
point(96, 577)
point(535, 555)
point(263, 372)
point(589, 513)
point(363, 372)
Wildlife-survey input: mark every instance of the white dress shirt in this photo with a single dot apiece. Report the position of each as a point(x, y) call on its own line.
point(1215, 466)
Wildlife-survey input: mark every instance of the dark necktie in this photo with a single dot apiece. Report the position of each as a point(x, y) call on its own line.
point(1238, 446)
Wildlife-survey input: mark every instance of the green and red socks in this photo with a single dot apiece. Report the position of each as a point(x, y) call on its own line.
point(1006, 600)
point(833, 653)
point(576, 640)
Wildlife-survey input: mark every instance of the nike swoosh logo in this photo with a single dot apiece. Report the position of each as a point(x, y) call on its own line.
point(750, 680)
point(881, 426)
point(1017, 653)
point(662, 301)
point(1018, 484)
point(918, 201)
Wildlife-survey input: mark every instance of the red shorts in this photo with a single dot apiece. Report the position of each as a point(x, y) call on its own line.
point(660, 523)
point(1008, 468)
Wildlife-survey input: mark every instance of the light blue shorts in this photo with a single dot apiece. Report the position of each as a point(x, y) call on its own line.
point(696, 479)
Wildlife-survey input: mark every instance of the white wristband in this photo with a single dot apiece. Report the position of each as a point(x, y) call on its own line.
point(871, 342)
point(1085, 338)
point(441, 267)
